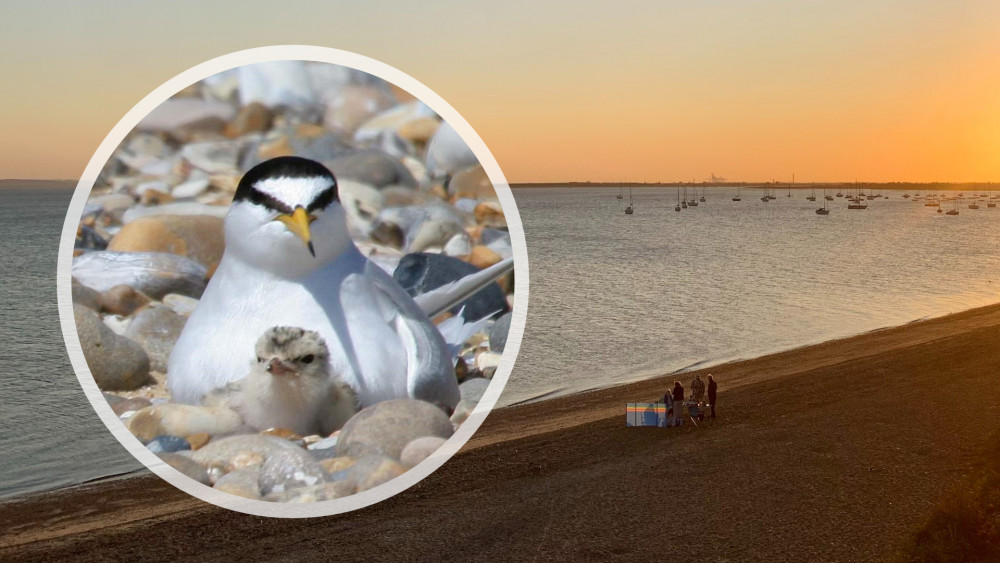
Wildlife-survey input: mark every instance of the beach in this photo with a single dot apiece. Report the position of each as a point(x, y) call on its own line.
point(831, 452)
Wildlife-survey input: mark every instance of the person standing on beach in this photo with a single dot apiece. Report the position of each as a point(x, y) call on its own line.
point(678, 396)
point(697, 389)
point(713, 388)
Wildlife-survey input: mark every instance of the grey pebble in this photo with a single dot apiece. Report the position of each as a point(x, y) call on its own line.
point(472, 389)
point(167, 444)
point(498, 333)
point(420, 449)
point(186, 466)
point(386, 427)
point(156, 328)
point(116, 362)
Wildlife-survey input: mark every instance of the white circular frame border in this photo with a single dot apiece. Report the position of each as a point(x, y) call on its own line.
point(104, 153)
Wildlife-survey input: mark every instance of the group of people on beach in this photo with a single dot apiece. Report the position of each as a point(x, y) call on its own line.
point(675, 397)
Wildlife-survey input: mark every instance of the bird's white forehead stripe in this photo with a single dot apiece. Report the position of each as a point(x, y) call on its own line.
point(294, 191)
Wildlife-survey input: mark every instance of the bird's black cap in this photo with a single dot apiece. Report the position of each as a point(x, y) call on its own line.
point(285, 167)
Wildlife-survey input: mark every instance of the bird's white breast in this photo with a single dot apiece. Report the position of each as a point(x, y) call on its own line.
point(240, 303)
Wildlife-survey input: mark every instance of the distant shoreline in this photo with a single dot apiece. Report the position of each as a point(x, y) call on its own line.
point(10, 184)
point(943, 186)
point(896, 186)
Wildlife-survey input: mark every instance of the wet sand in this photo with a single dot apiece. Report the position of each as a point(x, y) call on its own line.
point(833, 452)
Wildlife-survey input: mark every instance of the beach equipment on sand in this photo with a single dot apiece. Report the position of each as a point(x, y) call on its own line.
point(660, 414)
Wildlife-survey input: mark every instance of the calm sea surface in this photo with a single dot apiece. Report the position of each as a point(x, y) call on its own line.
point(49, 435)
point(613, 298)
point(616, 298)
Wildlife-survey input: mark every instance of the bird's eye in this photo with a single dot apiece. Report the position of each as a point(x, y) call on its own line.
point(260, 360)
point(307, 359)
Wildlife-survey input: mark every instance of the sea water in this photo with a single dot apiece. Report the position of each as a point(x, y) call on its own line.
point(618, 297)
point(614, 298)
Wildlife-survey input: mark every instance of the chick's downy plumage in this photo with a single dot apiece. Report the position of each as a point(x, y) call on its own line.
point(289, 385)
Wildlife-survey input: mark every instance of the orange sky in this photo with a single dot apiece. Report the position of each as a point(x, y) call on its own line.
point(655, 90)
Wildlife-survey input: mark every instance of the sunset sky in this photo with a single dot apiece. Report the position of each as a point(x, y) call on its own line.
point(656, 90)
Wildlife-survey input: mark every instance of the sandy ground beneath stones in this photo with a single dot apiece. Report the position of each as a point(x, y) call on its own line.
point(834, 452)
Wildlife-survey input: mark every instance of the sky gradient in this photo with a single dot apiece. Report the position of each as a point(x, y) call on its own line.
point(656, 90)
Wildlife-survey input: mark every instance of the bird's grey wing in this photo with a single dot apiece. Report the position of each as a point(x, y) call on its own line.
point(440, 299)
point(429, 369)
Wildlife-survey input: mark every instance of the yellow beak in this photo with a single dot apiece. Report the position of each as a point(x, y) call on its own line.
point(298, 223)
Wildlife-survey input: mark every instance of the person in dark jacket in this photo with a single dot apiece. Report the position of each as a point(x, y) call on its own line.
point(678, 396)
point(713, 388)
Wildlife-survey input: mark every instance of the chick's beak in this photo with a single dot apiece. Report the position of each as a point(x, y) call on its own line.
point(278, 368)
point(298, 223)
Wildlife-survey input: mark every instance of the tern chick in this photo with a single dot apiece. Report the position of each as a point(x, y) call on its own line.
point(290, 386)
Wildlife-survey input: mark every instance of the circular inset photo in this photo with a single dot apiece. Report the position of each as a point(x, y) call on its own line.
point(287, 281)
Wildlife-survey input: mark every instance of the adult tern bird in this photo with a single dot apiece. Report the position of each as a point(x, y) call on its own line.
point(290, 262)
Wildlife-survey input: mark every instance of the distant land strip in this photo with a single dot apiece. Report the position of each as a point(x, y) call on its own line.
point(6, 184)
point(957, 186)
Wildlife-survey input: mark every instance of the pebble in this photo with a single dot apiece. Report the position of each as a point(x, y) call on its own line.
point(242, 483)
point(198, 440)
point(472, 183)
point(392, 120)
point(214, 157)
point(286, 471)
point(253, 451)
point(167, 444)
point(157, 329)
point(122, 300)
point(178, 113)
point(472, 389)
point(315, 493)
point(112, 203)
point(487, 360)
point(152, 273)
point(132, 405)
point(482, 257)
point(386, 427)
point(354, 105)
point(182, 420)
point(199, 238)
point(459, 245)
point(420, 449)
point(180, 304)
point(498, 333)
point(252, 118)
point(361, 201)
point(462, 411)
point(335, 465)
point(374, 470)
point(191, 188)
point(83, 295)
point(423, 272)
point(186, 466)
point(490, 213)
point(373, 167)
point(417, 228)
point(447, 153)
point(117, 323)
point(116, 363)
point(176, 208)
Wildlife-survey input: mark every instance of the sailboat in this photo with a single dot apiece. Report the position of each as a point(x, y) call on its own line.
point(813, 196)
point(737, 196)
point(693, 202)
point(953, 210)
point(702, 198)
point(620, 195)
point(823, 210)
point(678, 206)
point(629, 210)
point(855, 202)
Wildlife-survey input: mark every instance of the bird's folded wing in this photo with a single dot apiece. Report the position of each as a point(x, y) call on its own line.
point(430, 372)
point(440, 299)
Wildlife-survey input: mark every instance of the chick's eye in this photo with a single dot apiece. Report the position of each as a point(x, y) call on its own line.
point(307, 359)
point(260, 360)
